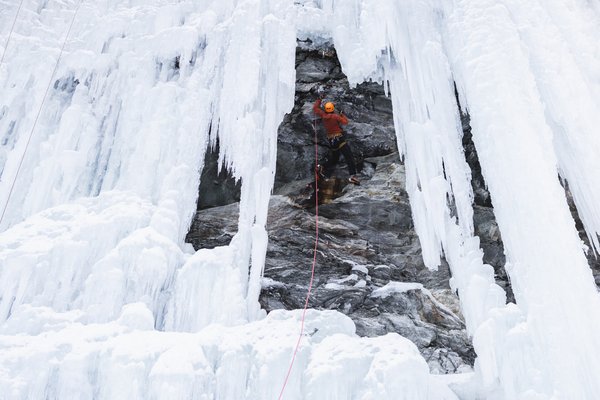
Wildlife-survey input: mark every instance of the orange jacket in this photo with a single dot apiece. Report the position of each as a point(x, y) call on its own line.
point(331, 121)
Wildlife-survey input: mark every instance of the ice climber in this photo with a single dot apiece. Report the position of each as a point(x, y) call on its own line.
point(338, 143)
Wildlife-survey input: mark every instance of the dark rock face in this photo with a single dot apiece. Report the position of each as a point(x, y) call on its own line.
point(593, 259)
point(367, 241)
point(214, 227)
point(217, 188)
point(369, 263)
point(488, 232)
point(481, 194)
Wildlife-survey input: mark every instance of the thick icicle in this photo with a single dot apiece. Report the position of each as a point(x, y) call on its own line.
point(552, 282)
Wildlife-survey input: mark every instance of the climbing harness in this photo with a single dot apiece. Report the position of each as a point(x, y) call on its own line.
point(39, 111)
point(337, 142)
point(12, 28)
point(314, 262)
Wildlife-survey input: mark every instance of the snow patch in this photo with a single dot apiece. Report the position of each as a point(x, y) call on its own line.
point(396, 287)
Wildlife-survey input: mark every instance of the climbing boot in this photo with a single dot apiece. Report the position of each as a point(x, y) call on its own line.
point(353, 179)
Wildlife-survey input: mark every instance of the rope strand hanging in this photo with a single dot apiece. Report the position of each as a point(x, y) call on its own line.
point(62, 49)
point(314, 261)
point(12, 28)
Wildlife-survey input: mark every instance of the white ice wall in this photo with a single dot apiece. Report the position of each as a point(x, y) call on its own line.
point(508, 87)
point(92, 251)
point(134, 130)
point(95, 279)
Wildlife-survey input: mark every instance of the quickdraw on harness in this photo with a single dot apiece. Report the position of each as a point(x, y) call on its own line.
point(337, 142)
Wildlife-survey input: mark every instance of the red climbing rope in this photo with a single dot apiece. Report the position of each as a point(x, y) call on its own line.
point(39, 111)
point(12, 28)
point(314, 262)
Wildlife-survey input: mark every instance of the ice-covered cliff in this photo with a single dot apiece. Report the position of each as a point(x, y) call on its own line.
point(107, 109)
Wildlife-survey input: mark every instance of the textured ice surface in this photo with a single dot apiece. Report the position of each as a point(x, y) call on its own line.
point(100, 297)
point(126, 359)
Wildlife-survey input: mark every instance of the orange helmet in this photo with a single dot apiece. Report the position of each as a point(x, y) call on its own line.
point(329, 107)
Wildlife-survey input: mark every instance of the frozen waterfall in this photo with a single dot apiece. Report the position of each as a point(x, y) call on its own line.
point(101, 298)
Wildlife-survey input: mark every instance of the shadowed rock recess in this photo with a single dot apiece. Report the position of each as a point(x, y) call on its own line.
point(369, 263)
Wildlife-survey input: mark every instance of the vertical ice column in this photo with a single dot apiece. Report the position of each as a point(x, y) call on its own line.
point(401, 43)
point(550, 276)
point(561, 43)
point(430, 136)
point(258, 87)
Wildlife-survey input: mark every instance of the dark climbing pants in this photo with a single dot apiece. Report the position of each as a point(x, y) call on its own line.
point(339, 145)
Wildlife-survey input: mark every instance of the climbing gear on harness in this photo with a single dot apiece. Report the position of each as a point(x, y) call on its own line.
point(337, 142)
point(320, 172)
point(332, 123)
point(329, 107)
